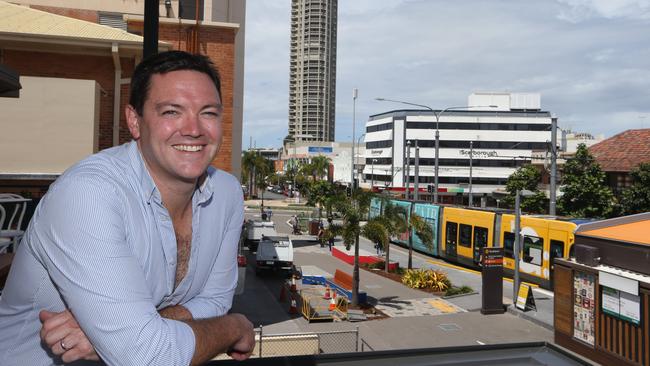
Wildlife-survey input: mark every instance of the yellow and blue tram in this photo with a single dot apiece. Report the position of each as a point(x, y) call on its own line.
point(461, 233)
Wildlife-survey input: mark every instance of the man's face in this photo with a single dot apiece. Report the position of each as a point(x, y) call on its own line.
point(179, 132)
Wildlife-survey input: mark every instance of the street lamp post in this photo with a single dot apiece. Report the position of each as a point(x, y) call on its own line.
point(372, 175)
point(416, 180)
point(437, 146)
point(408, 166)
point(471, 155)
point(517, 246)
point(355, 94)
point(358, 153)
point(552, 186)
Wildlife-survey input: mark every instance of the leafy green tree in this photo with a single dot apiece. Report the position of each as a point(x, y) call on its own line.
point(526, 177)
point(636, 198)
point(323, 194)
point(584, 187)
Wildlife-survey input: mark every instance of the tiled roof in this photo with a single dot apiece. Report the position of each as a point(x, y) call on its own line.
point(623, 152)
point(17, 19)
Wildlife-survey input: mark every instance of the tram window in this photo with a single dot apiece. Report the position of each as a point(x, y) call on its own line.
point(557, 249)
point(508, 244)
point(465, 237)
point(533, 248)
point(452, 233)
point(480, 237)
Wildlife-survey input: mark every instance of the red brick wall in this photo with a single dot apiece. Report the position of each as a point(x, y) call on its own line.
point(219, 45)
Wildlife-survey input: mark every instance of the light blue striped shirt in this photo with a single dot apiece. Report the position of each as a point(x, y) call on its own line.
point(102, 244)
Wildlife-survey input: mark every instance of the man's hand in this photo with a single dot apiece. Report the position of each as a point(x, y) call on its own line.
point(238, 337)
point(61, 332)
point(243, 348)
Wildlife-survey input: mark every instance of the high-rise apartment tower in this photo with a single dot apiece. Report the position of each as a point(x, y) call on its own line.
point(312, 83)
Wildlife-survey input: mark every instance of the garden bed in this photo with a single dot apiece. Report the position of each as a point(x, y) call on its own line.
point(396, 276)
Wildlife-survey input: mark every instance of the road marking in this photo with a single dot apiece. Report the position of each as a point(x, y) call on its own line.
point(481, 343)
point(442, 305)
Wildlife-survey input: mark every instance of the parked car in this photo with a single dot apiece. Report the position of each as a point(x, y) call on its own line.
point(274, 252)
point(242, 262)
point(254, 230)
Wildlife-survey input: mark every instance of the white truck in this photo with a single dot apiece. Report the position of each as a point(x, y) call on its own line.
point(255, 230)
point(274, 252)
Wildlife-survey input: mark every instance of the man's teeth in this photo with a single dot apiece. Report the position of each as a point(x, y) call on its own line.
point(188, 147)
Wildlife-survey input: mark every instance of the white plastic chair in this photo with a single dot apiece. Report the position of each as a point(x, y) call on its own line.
point(11, 227)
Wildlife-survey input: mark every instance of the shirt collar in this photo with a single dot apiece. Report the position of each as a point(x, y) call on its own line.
point(149, 189)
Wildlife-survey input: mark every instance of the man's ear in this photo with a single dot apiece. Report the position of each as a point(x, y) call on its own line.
point(132, 121)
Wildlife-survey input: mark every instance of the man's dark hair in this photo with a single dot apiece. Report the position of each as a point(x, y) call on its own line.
point(163, 63)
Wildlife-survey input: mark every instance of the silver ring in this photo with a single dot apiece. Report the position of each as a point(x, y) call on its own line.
point(63, 346)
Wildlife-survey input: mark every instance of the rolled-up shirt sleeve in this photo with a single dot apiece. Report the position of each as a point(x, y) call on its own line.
point(85, 252)
point(215, 298)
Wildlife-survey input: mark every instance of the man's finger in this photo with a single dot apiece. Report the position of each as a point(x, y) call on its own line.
point(58, 319)
point(44, 315)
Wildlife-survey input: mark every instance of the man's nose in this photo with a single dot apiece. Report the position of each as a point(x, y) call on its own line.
point(191, 125)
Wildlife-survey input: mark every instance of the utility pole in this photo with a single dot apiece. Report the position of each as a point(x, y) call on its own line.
point(515, 285)
point(552, 185)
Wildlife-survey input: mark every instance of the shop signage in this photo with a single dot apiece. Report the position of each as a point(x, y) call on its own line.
point(320, 149)
point(584, 307)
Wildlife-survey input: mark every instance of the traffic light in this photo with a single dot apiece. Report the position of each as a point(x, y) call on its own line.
point(348, 191)
point(430, 188)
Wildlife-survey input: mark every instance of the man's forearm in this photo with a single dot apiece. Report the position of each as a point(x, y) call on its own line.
point(176, 312)
point(231, 333)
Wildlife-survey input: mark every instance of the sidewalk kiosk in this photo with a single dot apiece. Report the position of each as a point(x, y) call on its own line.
point(602, 295)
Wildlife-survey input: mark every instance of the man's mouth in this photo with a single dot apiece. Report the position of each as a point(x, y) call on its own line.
point(190, 148)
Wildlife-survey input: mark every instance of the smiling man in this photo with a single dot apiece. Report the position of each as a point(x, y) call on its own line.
point(130, 258)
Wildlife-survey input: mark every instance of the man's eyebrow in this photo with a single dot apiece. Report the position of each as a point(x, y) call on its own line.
point(215, 105)
point(167, 104)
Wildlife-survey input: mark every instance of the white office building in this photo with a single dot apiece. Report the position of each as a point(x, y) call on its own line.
point(485, 144)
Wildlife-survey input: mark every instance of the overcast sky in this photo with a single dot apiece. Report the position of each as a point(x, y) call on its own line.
point(589, 60)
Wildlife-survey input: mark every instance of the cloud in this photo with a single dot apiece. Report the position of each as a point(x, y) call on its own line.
point(581, 10)
point(591, 70)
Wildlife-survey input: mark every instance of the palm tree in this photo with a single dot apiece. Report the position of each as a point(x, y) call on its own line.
point(354, 210)
point(320, 166)
point(248, 161)
point(394, 220)
point(255, 169)
point(397, 221)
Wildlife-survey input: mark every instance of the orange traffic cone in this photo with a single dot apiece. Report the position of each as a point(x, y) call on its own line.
point(293, 284)
point(327, 295)
point(293, 308)
point(332, 303)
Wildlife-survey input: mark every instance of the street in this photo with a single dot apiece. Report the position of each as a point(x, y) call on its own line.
point(418, 319)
